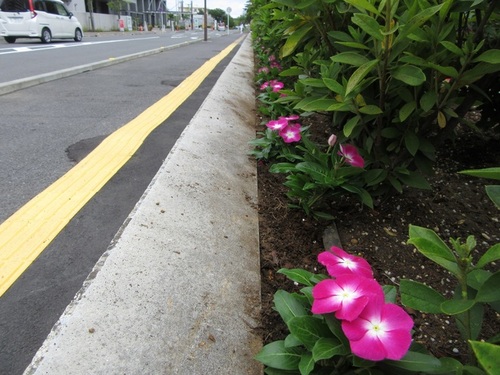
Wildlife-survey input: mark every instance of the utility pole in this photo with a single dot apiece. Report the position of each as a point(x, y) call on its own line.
point(205, 26)
point(192, 17)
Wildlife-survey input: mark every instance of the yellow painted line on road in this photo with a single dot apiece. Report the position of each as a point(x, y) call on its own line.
point(25, 234)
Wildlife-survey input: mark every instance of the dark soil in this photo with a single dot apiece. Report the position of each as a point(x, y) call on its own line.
point(457, 206)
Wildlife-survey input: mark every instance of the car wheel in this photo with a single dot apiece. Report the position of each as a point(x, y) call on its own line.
point(46, 36)
point(78, 35)
point(10, 39)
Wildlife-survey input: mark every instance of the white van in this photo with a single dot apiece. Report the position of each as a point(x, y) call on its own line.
point(43, 19)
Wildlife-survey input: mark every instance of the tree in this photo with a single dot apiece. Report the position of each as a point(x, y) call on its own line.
point(218, 14)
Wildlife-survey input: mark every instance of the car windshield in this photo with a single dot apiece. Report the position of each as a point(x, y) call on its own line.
point(14, 5)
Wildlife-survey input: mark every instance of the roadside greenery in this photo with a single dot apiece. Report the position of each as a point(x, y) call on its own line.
point(396, 79)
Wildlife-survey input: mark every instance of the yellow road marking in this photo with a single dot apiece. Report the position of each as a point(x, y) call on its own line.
point(25, 234)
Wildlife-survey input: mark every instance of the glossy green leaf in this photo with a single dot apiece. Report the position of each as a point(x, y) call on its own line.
point(490, 290)
point(430, 245)
point(315, 104)
point(288, 306)
point(327, 347)
point(448, 71)
point(358, 75)
point(277, 356)
point(420, 297)
point(370, 110)
point(334, 86)
point(492, 173)
point(363, 5)
point(350, 58)
point(493, 192)
point(409, 74)
point(406, 110)
point(308, 329)
point(295, 39)
point(457, 306)
point(350, 125)
point(291, 341)
point(488, 356)
point(418, 362)
point(452, 47)
point(298, 275)
point(411, 142)
point(491, 56)
point(306, 364)
point(390, 293)
point(492, 255)
point(369, 25)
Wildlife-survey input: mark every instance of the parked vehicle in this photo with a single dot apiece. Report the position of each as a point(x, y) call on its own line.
point(221, 27)
point(43, 19)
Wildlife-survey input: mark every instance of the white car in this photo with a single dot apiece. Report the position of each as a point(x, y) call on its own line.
point(221, 27)
point(43, 19)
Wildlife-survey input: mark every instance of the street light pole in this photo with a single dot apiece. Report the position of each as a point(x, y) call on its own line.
point(228, 10)
point(205, 26)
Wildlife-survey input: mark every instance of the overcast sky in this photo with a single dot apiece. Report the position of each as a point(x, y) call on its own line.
point(236, 6)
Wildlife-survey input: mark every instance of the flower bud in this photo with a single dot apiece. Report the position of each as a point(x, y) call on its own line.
point(332, 140)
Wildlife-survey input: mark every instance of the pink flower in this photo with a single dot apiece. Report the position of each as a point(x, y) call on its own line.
point(290, 133)
point(275, 64)
point(276, 85)
point(338, 262)
point(264, 86)
point(351, 155)
point(272, 58)
point(264, 69)
point(380, 332)
point(347, 296)
point(277, 125)
point(332, 140)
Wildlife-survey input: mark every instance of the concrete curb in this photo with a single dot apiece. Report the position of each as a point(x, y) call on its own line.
point(178, 291)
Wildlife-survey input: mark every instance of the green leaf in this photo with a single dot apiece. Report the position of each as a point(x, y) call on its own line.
point(409, 74)
point(315, 104)
point(390, 293)
point(371, 110)
point(313, 82)
point(363, 5)
point(291, 72)
point(415, 180)
point(411, 142)
point(306, 364)
point(448, 71)
point(418, 362)
point(406, 110)
point(420, 297)
point(288, 306)
point(327, 347)
point(492, 255)
point(308, 329)
point(294, 39)
point(291, 341)
point(350, 58)
point(350, 125)
point(488, 356)
point(417, 21)
point(334, 86)
point(358, 75)
point(277, 356)
point(428, 100)
point(282, 167)
point(457, 306)
point(298, 275)
point(430, 245)
point(493, 192)
point(453, 48)
point(318, 173)
point(477, 277)
point(491, 56)
point(492, 173)
point(490, 291)
point(335, 327)
point(369, 25)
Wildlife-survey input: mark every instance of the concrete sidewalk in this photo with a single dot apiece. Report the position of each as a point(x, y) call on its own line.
point(178, 291)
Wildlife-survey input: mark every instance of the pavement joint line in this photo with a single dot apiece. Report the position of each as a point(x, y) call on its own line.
point(25, 234)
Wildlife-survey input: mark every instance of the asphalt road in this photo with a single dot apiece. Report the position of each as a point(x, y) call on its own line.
point(44, 131)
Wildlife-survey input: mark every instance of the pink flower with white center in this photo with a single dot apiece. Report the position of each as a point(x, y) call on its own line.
point(338, 262)
point(351, 156)
point(346, 296)
point(276, 85)
point(276, 65)
point(277, 125)
point(264, 86)
point(264, 69)
point(380, 332)
point(290, 133)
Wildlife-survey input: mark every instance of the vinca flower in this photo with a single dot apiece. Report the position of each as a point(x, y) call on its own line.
point(291, 133)
point(290, 117)
point(346, 296)
point(274, 84)
point(332, 140)
point(380, 332)
point(277, 125)
point(339, 262)
point(351, 156)
point(264, 69)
